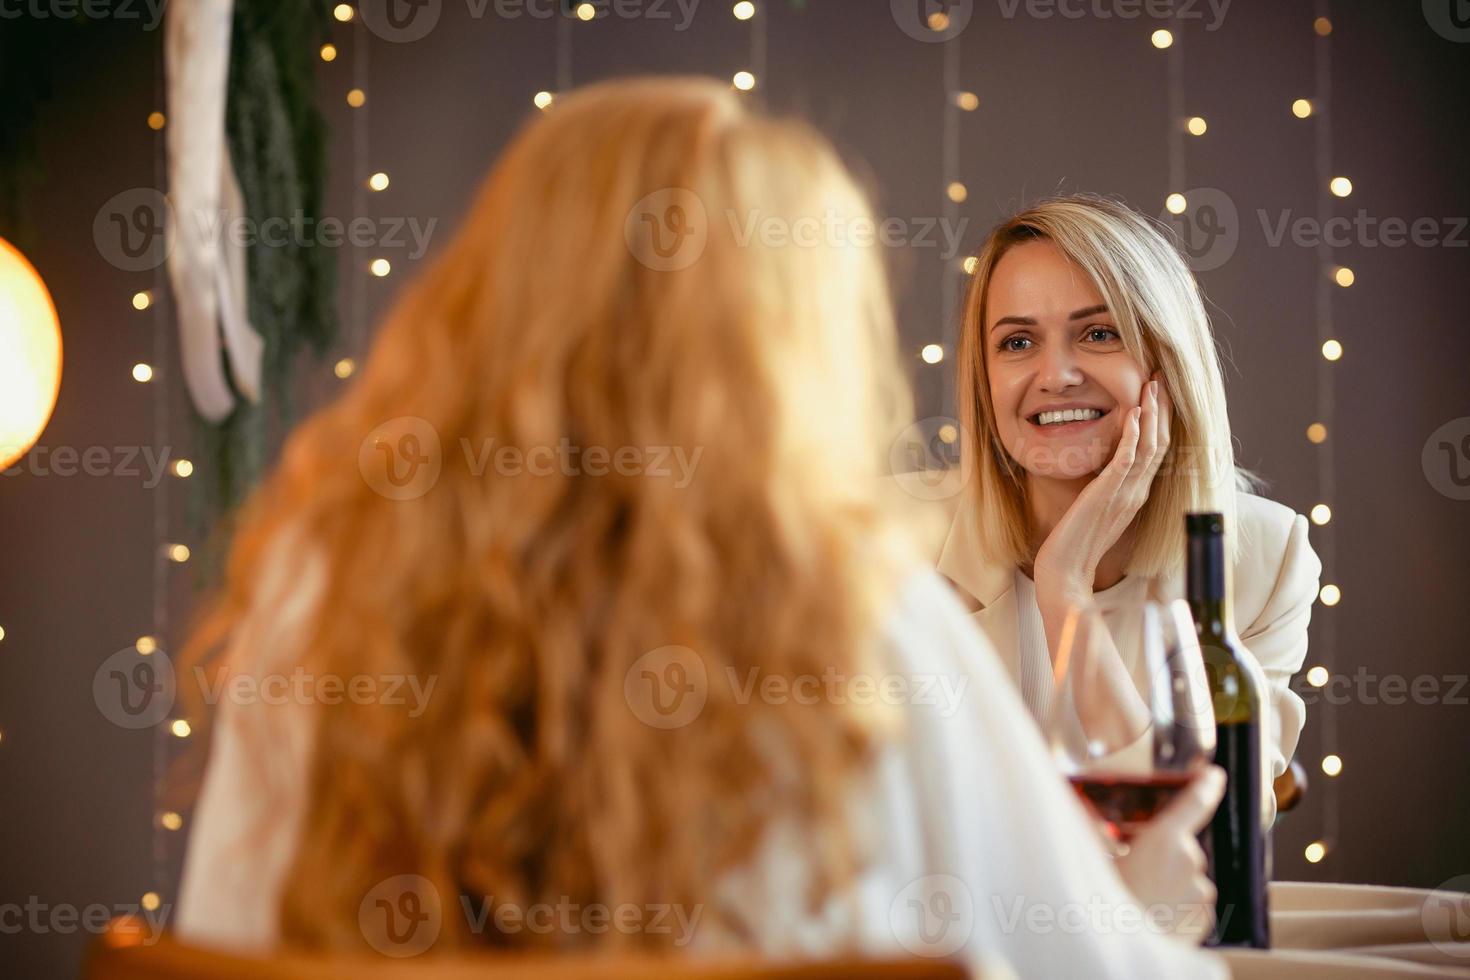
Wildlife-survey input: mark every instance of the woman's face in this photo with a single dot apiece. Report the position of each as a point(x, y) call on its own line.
point(1061, 382)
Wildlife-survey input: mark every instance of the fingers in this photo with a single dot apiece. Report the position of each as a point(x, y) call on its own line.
point(1166, 413)
point(1193, 808)
point(1154, 441)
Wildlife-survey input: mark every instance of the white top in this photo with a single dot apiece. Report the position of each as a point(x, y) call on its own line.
point(982, 853)
point(1273, 581)
point(1121, 609)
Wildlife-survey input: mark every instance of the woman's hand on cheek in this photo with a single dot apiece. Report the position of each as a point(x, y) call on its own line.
point(1067, 561)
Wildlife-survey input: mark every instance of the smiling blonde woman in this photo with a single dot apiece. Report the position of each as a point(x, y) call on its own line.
point(543, 773)
point(1085, 345)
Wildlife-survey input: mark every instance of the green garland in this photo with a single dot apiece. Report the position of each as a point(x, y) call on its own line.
point(277, 141)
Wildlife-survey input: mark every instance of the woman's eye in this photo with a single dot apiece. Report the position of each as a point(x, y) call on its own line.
point(1101, 335)
point(1016, 343)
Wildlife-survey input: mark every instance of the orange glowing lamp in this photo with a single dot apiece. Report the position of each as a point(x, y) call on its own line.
point(30, 355)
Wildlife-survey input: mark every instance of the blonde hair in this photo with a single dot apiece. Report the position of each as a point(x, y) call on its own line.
point(530, 598)
point(1160, 314)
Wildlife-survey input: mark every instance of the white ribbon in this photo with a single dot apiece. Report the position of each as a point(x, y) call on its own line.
point(206, 268)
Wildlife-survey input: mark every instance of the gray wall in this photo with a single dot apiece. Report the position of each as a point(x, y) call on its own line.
point(1075, 104)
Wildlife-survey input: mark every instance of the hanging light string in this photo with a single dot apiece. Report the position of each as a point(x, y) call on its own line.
point(954, 193)
point(564, 49)
point(758, 41)
point(361, 154)
point(1178, 122)
point(1328, 278)
point(161, 551)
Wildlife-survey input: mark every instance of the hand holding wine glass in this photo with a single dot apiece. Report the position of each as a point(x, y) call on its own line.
point(1151, 786)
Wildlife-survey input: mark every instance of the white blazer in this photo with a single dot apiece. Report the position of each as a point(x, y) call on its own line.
point(1274, 583)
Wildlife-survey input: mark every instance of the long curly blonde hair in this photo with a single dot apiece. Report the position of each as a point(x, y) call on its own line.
point(528, 595)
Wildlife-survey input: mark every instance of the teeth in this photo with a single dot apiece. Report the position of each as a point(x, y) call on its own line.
point(1069, 415)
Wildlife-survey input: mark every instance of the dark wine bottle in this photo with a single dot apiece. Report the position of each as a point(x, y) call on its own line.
point(1236, 841)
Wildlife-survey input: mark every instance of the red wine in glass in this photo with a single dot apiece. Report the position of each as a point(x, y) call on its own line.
point(1124, 802)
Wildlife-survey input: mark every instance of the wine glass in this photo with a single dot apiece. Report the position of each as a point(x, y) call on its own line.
point(1130, 728)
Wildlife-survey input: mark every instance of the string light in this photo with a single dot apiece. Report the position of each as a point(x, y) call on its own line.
point(182, 468)
point(142, 299)
point(967, 101)
point(1319, 109)
point(146, 645)
point(744, 81)
point(344, 367)
point(171, 820)
point(932, 353)
point(542, 100)
point(157, 120)
point(343, 12)
point(178, 553)
point(938, 22)
point(1176, 203)
point(180, 728)
point(329, 52)
point(948, 434)
point(356, 98)
point(1197, 126)
point(142, 373)
point(744, 10)
point(149, 901)
point(970, 264)
point(380, 267)
point(378, 181)
point(957, 191)
point(585, 11)
point(2, 632)
point(1332, 765)
point(1162, 39)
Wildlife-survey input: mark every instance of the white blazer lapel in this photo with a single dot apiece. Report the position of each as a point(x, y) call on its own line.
point(987, 588)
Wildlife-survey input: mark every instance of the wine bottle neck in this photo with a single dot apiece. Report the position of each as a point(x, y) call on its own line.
point(1206, 586)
